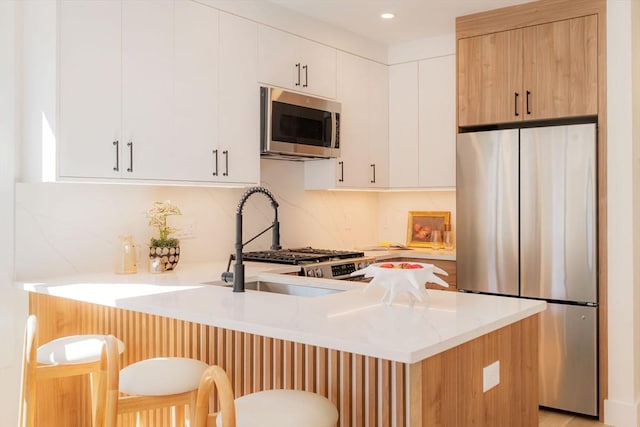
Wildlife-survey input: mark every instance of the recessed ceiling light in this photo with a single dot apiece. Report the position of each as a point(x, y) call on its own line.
point(387, 15)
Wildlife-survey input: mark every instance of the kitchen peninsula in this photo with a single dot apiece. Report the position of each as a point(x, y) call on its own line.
point(381, 365)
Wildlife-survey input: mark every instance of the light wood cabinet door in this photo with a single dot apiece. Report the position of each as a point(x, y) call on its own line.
point(540, 72)
point(560, 68)
point(490, 78)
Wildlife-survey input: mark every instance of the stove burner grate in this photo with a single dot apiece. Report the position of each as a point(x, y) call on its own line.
point(299, 255)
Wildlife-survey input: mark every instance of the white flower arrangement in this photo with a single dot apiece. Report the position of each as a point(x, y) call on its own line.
point(157, 215)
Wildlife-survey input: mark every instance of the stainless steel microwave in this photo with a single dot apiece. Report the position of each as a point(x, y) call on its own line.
point(296, 126)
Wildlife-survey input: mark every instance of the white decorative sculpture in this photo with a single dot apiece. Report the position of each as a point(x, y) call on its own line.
point(397, 278)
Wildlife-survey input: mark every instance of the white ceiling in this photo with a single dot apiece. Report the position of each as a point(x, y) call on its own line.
point(415, 19)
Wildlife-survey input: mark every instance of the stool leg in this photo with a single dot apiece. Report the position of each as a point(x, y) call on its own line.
point(94, 385)
point(178, 415)
point(193, 403)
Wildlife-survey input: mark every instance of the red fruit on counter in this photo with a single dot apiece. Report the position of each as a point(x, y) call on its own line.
point(413, 266)
point(386, 265)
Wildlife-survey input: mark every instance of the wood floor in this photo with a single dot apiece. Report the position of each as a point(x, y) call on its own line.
point(549, 418)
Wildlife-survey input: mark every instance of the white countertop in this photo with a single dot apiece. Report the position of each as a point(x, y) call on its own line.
point(353, 321)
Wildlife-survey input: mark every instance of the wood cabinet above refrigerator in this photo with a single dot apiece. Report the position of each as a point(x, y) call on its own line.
point(537, 72)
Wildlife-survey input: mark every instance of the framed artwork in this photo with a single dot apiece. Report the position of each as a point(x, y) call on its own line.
point(422, 224)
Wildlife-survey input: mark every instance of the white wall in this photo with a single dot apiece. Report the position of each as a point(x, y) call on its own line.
point(393, 211)
point(288, 20)
point(622, 408)
point(422, 49)
point(12, 302)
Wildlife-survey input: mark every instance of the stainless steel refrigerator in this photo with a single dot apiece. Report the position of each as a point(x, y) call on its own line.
point(526, 227)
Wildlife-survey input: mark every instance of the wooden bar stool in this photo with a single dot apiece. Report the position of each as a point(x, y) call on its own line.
point(63, 357)
point(151, 384)
point(270, 408)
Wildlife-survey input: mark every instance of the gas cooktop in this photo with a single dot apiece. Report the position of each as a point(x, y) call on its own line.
point(299, 255)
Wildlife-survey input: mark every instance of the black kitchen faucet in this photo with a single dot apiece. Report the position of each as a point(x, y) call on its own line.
point(238, 269)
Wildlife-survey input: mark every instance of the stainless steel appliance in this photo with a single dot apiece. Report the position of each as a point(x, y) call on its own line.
point(323, 263)
point(297, 126)
point(526, 219)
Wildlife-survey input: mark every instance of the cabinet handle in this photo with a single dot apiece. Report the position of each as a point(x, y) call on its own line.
point(528, 95)
point(130, 145)
point(215, 156)
point(116, 144)
point(373, 167)
point(306, 76)
point(515, 104)
point(298, 68)
point(341, 164)
point(226, 163)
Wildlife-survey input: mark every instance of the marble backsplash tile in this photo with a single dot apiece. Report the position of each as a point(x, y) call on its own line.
point(73, 228)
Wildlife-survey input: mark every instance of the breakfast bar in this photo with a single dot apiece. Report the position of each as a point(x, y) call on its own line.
point(457, 359)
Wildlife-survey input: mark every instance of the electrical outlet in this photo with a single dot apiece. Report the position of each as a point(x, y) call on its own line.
point(490, 376)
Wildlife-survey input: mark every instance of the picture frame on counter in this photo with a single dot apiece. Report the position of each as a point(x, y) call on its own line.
point(421, 227)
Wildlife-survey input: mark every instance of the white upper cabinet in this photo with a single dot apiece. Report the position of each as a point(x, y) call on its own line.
point(147, 88)
point(89, 136)
point(422, 132)
point(195, 101)
point(363, 93)
point(377, 146)
point(238, 152)
point(138, 90)
point(404, 162)
point(437, 122)
point(291, 62)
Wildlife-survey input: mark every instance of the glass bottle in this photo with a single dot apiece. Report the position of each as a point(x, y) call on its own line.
point(125, 259)
point(447, 238)
point(436, 239)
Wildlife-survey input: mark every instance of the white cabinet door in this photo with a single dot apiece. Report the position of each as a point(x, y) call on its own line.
point(437, 122)
point(404, 166)
point(239, 94)
point(378, 123)
point(363, 87)
point(353, 163)
point(147, 88)
point(422, 131)
point(89, 136)
point(291, 62)
point(195, 101)
point(363, 92)
point(318, 69)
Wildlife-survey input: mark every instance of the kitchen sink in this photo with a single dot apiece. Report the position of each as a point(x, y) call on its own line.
point(280, 288)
